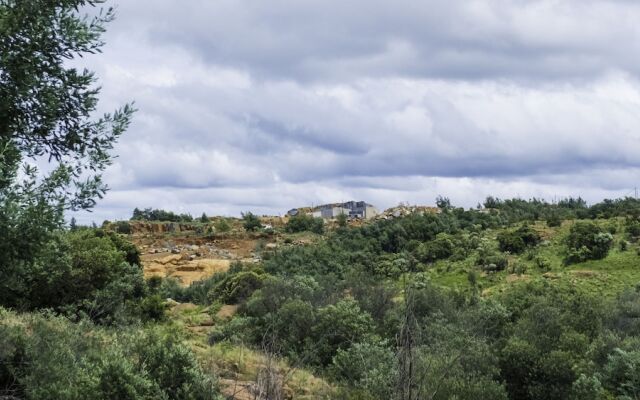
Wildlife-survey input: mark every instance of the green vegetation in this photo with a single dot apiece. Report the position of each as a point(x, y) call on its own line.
point(222, 225)
point(461, 304)
point(251, 222)
point(149, 214)
point(519, 240)
point(587, 241)
point(47, 357)
point(303, 222)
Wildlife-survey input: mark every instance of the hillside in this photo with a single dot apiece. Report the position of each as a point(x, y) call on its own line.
point(288, 304)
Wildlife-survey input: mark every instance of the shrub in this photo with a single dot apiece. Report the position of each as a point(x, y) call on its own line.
point(85, 272)
point(304, 222)
point(517, 241)
point(587, 241)
point(337, 327)
point(542, 263)
point(520, 268)
point(489, 260)
point(367, 366)
point(623, 245)
point(440, 248)
point(235, 288)
point(621, 373)
point(554, 220)
point(123, 227)
point(632, 229)
point(152, 308)
point(222, 225)
point(149, 214)
point(342, 220)
point(394, 265)
point(45, 358)
point(251, 222)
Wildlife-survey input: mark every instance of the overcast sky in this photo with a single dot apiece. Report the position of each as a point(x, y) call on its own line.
point(267, 105)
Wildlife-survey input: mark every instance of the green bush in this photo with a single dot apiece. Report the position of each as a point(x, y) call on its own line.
point(554, 220)
point(235, 288)
point(622, 373)
point(45, 358)
point(632, 229)
point(152, 308)
point(493, 262)
point(304, 222)
point(587, 241)
point(623, 245)
point(542, 263)
point(367, 366)
point(440, 248)
point(123, 227)
point(337, 327)
point(85, 272)
point(251, 222)
point(222, 225)
point(519, 240)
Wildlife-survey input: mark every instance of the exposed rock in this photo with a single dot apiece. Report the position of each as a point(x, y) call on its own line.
point(172, 303)
point(172, 259)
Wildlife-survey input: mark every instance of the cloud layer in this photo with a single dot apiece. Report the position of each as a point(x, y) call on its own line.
point(268, 105)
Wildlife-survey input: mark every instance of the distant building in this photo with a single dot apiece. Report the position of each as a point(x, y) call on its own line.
point(360, 209)
point(352, 209)
point(329, 211)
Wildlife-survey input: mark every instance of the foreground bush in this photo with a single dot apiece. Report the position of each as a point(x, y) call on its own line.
point(44, 357)
point(83, 272)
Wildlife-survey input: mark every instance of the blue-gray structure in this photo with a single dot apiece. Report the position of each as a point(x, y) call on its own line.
point(360, 209)
point(352, 209)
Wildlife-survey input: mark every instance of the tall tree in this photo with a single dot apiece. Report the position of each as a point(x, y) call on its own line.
point(47, 109)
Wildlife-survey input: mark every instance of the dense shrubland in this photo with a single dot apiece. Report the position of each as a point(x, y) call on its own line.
point(361, 308)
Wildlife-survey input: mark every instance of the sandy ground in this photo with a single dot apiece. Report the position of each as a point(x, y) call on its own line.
point(184, 270)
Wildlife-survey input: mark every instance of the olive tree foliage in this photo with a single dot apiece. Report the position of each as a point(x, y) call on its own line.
point(47, 117)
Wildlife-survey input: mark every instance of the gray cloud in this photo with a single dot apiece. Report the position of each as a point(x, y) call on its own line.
point(319, 40)
point(269, 105)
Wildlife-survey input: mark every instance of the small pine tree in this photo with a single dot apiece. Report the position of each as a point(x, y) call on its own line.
point(342, 220)
point(204, 219)
point(73, 225)
point(222, 225)
point(251, 222)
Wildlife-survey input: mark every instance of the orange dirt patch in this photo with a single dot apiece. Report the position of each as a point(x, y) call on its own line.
point(227, 311)
point(186, 272)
